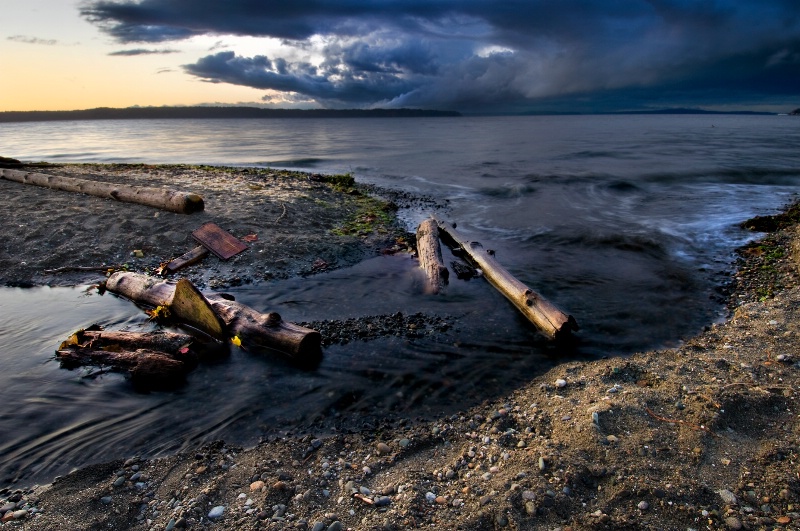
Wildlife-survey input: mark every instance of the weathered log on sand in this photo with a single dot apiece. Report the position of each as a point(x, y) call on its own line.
point(430, 255)
point(252, 328)
point(550, 320)
point(180, 202)
point(147, 368)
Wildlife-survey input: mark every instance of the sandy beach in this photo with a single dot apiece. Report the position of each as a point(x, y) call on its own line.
point(702, 436)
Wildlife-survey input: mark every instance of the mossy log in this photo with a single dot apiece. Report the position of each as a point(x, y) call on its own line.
point(173, 201)
point(549, 319)
point(430, 256)
point(254, 330)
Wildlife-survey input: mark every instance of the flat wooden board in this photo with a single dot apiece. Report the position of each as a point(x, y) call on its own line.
point(220, 242)
point(185, 259)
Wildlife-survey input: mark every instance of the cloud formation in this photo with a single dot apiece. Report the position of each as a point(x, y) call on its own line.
point(32, 40)
point(485, 55)
point(141, 51)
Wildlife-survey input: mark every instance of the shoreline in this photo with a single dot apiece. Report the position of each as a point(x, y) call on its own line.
point(700, 436)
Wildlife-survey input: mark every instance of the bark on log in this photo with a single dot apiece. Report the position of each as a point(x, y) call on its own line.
point(180, 202)
point(430, 256)
point(147, 368)
point(253, 328)
point(183, 347)
point(549, 319)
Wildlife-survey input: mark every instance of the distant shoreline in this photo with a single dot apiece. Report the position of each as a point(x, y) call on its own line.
point(203, 112)
point(169, 113)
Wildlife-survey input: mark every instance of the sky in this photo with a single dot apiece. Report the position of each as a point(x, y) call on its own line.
point(473, 56)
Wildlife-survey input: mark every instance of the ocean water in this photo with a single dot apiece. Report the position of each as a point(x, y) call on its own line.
point(627, 222)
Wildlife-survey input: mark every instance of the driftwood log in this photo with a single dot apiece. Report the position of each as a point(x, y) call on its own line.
point(153, 360)
point(173, 201)
point(252, 329)
point(549, 319)
point(149, 369)
point(430, 256)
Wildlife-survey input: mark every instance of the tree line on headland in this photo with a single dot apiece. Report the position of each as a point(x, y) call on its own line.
point(148, 113)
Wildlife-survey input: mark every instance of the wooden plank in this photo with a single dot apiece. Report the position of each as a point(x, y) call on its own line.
point(219, 241)
point(184, 260)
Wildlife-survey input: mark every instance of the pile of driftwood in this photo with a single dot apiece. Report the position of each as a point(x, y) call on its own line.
point(162, 359)
point(550, 320)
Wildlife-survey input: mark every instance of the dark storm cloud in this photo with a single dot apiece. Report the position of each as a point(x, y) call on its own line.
point(488, 54)
point(141, 51)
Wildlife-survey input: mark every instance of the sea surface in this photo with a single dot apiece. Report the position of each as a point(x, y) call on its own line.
point(629, 223)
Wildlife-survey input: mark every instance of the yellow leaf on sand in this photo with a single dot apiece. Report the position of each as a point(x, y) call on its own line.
point(236, 341)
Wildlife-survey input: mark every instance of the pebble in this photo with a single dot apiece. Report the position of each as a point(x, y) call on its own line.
point(319, 526)
point(120, 481)
point(404, 443)
point(383, 501)
point(256, 485)
point(560, 383)
point(727, 496)
point(105, 500)
point(336, 526)
point(643, 505)
point(430, 497)
point(216, 512)
point(733, 523)
point(7, 507)
point(383, 448)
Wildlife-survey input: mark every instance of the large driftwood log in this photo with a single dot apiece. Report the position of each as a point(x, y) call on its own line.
point(430, 255)
point(550, 320)
point(252, 328)
point(180, 202)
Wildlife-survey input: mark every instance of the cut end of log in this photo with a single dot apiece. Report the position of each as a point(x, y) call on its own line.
point(193, 203)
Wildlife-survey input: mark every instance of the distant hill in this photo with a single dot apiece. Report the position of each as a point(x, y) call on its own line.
point(695, 111)
point(162, 113)
point(795, 112)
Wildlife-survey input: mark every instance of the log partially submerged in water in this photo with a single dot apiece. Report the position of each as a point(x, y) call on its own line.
point(173, 201)
point(430, 256)
point(550, 320)
point(251, 328)
point(149, 369)
point(153, 360)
